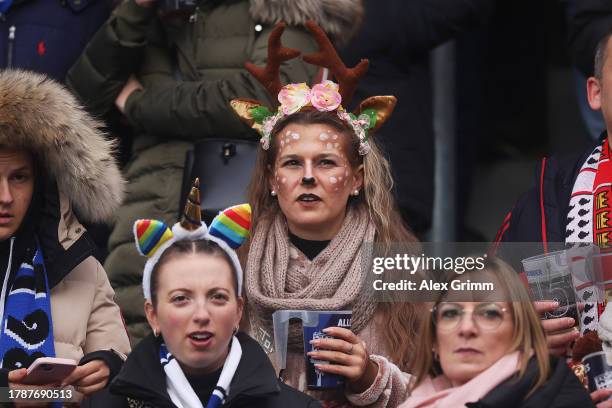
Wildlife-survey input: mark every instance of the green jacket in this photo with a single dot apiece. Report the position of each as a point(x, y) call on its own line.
point(190, 68)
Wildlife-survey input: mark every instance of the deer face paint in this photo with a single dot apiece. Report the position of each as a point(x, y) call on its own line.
point(314, 210)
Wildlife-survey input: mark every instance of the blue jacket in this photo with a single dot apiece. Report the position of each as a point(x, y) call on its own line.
point(48, 35)
point(540, 215)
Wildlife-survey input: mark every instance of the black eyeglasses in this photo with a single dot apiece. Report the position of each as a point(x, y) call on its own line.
point(486, 316)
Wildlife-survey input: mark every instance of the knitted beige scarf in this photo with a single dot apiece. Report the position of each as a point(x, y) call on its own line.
point(337, 274)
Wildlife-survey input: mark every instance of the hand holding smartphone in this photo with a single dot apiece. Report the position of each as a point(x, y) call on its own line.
point(49, 370)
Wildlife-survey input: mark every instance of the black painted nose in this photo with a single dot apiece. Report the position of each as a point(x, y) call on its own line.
point(308, 180)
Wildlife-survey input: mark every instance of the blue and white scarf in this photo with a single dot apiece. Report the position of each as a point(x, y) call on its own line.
point(25, 310)
point(179, 389)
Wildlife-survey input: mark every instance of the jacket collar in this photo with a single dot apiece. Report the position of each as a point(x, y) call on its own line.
point(512, 392)
point(64, 241)
point(143, 378)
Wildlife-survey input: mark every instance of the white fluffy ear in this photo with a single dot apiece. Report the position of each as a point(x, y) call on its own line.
point(150, 235)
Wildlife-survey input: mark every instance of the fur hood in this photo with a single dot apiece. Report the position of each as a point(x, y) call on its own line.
point(340, 19)
point(40, 115)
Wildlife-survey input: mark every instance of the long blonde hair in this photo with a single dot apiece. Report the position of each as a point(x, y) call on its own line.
point(400, 319)
point(527, 336)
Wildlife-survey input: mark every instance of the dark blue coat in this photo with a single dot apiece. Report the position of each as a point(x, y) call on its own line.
point(49, 35)
point(540, 215)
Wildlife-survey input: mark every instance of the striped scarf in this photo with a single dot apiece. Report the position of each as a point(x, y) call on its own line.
point(179, 389)
point(588, 221)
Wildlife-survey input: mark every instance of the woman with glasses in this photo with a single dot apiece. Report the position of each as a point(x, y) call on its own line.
point(488, 353)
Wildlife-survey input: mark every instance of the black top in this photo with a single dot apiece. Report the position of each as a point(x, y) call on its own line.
point(204, 385)
point(255, 384)
point(308, 247)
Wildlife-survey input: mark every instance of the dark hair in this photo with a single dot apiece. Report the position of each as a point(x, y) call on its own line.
point(186, 247)
point(601, 53)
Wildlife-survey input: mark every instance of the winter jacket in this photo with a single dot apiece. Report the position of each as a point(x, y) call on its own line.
point(540, 215)
point(562, 390)
point(396, 37)
point(75, 172)
point(190, 70)
point(47, 36)
point(142, 381)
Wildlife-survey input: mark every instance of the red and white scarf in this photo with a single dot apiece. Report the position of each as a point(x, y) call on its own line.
point(589, 219)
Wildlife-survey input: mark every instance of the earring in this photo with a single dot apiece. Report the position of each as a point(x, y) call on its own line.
point(273, 193)
point(155, 332)
point(356, 193)
point(436, 357)
point(235, 330)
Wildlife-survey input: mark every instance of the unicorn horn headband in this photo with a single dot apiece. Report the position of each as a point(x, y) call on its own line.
point(228, 230)
point(327, 96)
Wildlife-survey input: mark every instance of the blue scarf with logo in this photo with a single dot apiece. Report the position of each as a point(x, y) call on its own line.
point(27, 329)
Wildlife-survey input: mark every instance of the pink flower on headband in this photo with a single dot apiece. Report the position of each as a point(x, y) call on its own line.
point(293, 97)
point(325, 96)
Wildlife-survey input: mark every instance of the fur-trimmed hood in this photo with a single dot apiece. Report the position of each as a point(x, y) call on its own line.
point(41, 116)
point(340, 19)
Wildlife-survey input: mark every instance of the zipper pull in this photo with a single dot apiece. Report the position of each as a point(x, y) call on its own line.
point(11, 41)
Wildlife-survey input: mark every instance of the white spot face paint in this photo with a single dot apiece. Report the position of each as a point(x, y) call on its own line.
point(323, 137)
point(287, 133)
point(283, 180)
point(336, 145)
point(329, 146)
point(295, 136)
point(335, 137)
point(333, 180)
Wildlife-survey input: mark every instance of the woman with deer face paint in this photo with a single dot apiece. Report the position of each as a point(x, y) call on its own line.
point(314, 178)
point(320, 190)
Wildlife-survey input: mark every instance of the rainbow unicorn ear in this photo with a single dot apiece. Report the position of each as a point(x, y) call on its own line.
point(150, 235)
point(232, 225)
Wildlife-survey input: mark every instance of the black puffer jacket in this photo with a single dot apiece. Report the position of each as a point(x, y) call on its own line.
point(562, 390)
point(143, 381)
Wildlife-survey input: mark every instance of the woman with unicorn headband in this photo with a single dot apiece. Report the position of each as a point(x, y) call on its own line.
point(322, 188)
point(196, 357)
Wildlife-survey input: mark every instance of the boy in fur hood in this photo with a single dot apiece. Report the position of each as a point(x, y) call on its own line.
point(183, 72)
point(55, 298)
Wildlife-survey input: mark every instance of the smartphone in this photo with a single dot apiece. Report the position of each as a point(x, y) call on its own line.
point(49, 370)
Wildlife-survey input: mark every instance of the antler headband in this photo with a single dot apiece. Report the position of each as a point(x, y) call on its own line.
point(326, 96)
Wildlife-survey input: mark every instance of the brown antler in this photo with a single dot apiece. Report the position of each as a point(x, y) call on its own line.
point(327, 57)
point(270, 75)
